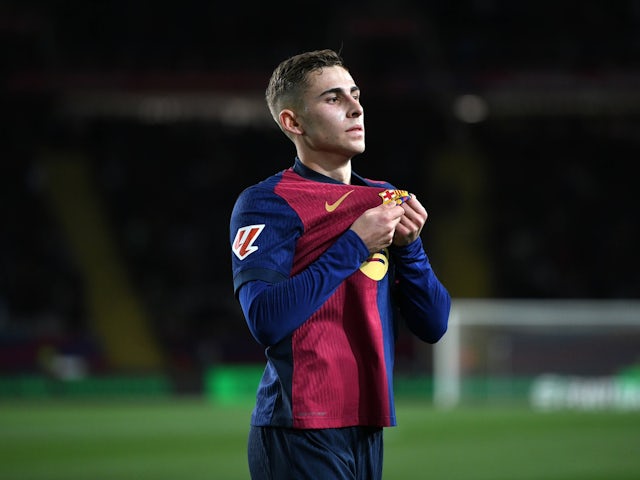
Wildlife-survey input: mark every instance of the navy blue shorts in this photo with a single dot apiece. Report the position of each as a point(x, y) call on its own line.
point(351, 453)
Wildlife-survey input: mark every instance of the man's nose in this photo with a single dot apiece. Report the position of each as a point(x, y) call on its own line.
point(356, 110)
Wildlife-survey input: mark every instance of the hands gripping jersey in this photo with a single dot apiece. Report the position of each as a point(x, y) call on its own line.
point(321, 304)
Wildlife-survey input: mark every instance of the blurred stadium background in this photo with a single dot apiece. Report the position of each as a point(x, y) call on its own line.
point(129, 128)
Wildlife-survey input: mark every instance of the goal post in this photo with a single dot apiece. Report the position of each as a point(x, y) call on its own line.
point(500, 317)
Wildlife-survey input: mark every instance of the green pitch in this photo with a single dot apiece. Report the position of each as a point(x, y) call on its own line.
point(176, 439)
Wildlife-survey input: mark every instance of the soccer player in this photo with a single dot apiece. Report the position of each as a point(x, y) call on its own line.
point(323, 260)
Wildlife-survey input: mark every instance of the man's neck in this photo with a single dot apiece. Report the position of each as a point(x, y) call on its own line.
point(339, 171)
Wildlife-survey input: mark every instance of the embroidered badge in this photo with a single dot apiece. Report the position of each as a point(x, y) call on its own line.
point(397, 196)
point(243, 245)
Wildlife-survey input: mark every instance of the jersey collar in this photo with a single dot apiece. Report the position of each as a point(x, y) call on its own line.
point(305, 172)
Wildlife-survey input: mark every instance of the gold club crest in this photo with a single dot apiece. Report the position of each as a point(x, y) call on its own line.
point(397, 196)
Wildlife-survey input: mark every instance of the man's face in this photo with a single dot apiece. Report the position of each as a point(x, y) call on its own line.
point(332, 118)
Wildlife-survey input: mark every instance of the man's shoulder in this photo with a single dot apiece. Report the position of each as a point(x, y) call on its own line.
point(261, 196)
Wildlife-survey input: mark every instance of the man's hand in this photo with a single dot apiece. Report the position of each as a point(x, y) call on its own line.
point(377, 226)
point(411, 223)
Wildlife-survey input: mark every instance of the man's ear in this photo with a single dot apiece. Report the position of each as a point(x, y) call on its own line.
point(289, 122)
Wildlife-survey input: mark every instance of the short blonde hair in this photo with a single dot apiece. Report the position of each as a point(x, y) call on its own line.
point(289, 80)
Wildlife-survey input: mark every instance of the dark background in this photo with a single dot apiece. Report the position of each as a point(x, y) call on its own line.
point(516, 123)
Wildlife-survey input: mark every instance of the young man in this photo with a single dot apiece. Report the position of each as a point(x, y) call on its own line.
point(322, 260)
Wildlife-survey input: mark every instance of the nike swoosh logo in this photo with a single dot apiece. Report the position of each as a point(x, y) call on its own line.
point(331, 207)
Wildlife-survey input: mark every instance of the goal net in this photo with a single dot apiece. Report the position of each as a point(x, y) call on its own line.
point(549, 353)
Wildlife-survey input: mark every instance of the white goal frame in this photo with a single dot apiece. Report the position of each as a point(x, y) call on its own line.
point(510, 313)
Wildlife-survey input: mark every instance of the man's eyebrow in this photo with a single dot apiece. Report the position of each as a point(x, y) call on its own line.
point(355, 88)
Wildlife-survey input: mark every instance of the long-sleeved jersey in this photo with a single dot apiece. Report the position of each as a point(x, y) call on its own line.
point(321, 304)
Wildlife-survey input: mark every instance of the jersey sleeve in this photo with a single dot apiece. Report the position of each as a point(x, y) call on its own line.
point(422, 299)
point(275, 310)
point(263, 232)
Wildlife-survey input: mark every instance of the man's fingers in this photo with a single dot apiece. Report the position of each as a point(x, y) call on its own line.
point(414, 210)
point(393, 214)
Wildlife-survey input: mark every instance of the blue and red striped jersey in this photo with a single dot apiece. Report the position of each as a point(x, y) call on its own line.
point(321, 304)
